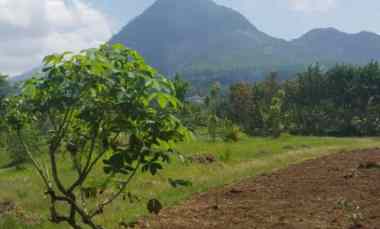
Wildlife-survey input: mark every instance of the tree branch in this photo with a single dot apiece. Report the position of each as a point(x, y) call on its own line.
point(35, 163)
point(100, 207)
point(53, 150)
point(88, 166)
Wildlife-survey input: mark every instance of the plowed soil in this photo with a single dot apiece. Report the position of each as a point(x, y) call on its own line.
point(340, 191)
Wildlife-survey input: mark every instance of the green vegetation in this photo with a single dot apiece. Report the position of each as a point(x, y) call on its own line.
point(100, 126)
point(96, 139)
point(234, 162)
point(342, 101)
point(105, 105)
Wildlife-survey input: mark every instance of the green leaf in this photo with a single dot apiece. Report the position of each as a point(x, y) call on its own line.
point(118, 47)
point(153, 167)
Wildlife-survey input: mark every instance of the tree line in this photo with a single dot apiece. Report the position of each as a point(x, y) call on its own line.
point(341, 101)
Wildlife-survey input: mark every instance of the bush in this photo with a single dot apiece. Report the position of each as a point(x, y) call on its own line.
point(231, 132)
point(92, 101)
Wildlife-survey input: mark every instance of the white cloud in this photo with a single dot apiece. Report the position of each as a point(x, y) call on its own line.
point(31, 29)
point(312, 6)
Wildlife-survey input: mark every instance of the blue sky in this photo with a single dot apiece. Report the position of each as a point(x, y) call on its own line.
point(31, 29)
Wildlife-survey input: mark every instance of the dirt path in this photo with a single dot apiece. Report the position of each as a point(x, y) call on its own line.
point(339, 192)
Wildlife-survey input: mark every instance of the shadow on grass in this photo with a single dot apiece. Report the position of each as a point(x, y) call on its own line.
point(16, 164)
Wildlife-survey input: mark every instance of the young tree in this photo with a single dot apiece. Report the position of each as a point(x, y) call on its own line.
point(212, 103)
point(102, 105)
point(244, 107)
point(181, 87)
point(4, 90)
point(275, 116)
point(270, 86)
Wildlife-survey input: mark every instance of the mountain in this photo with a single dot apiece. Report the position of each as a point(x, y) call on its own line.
point(330, 45)
point(25, 75)
point(204, 40)
point(175, 35)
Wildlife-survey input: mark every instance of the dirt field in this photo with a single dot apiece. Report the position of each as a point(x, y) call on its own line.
point(339, 192)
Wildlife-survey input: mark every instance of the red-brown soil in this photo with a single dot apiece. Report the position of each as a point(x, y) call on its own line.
point(340, 191)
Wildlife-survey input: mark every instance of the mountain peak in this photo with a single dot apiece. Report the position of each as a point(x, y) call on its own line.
point(333, 34)
point(367, 34)
point(184, 2)
point(172, 33)
point(329, 31)
point(203, 37)
point(320, 34)
point(325, 30)
point(193, 11)
point(169, 5)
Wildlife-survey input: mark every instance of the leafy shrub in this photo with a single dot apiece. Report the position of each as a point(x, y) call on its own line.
point(231, 132)
point(103, 105)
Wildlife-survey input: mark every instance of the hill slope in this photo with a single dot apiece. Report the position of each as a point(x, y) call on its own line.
point(331, 45)
point(206, 40)
point(175, 35)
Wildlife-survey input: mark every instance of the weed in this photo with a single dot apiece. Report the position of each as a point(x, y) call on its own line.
point(226, 155)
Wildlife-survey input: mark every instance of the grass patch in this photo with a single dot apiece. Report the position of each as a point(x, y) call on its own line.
point(235, 162)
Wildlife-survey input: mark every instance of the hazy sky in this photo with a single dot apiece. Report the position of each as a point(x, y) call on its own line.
point(31, 29)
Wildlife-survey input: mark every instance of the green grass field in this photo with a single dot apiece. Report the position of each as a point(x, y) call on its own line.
point(235, 162)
